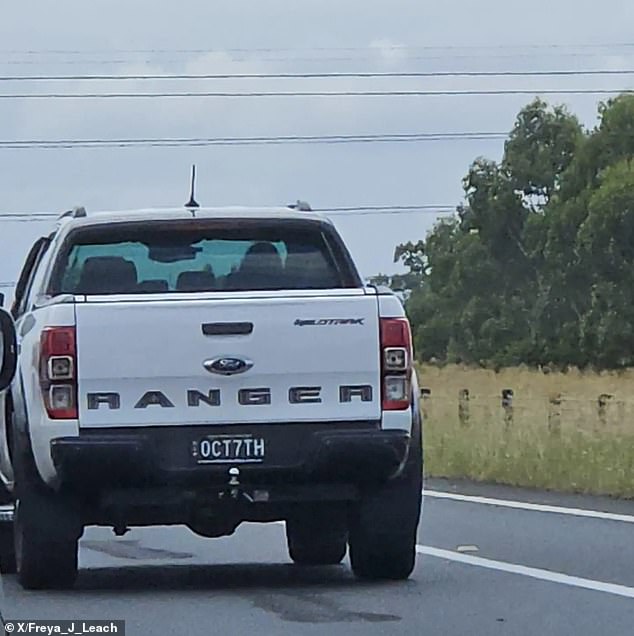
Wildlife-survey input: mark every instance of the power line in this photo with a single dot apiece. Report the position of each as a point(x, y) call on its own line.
point(308, 60)
point(393, 93)
point(187, 142)
point(175, 142)
point(25, 216)
point(378, 48)
point(388, 209)
point(309, 75)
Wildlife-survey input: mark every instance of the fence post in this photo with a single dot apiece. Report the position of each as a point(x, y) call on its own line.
point(554, 414)
point(463, 407)
point(602, 402)
point(425, 395)
point(507, 405)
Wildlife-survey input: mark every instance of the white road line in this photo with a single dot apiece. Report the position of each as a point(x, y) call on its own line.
point(521, 505)
point(534, 573)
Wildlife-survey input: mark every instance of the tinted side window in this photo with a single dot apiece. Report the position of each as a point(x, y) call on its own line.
point(23, 288)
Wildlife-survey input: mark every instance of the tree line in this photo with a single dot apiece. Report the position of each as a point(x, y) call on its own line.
point(537, 264)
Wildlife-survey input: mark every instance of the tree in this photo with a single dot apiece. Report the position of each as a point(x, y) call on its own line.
point(540, 148)
point(605, 242)
point(537, 266)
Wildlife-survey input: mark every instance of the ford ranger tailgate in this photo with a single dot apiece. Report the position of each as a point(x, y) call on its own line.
point(262, 357)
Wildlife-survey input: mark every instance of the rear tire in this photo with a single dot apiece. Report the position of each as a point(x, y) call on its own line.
point(384, 526)
point(7, 551)
point(46, 527)
point(45, 558)
point(7, 548)
point(373, 559)
point(316, 540)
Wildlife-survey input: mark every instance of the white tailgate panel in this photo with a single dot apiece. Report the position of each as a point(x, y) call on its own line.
point(131, 347)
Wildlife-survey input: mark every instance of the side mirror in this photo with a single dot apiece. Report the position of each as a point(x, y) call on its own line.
point(8, 350)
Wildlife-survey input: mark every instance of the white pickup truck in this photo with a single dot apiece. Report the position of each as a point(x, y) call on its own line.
point(206, 367)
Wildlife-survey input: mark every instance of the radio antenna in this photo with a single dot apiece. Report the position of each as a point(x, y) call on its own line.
point(192, 201)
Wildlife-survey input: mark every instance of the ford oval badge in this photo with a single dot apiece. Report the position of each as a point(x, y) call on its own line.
point(227, 366)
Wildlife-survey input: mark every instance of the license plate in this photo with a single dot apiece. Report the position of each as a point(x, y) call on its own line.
point(229, 449)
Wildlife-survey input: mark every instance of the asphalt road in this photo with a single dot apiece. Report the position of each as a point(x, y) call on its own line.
point(484, 569)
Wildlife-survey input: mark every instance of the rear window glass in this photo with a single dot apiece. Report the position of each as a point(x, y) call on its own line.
point(130, 259)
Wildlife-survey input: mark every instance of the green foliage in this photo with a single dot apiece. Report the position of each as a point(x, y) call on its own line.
point(537, 267)
point(540, 148)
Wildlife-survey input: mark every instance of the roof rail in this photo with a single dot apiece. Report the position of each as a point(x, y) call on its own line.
point(301, 206)
point(76, 213)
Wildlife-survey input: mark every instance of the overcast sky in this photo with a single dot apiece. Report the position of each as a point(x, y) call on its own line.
point(110, 33)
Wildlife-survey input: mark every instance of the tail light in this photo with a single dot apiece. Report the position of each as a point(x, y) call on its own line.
point(396, 363)
point(58, 372)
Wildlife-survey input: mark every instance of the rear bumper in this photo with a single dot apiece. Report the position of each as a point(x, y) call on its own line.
point(314, 454)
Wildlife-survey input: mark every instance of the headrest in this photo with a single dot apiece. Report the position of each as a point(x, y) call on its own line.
point(310, 269)
point(262, 257)
point(107, 275)
point(196, 281)
point(153, 286)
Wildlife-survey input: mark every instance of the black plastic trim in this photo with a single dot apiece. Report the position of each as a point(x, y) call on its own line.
point(227, 328)
point(355, 453)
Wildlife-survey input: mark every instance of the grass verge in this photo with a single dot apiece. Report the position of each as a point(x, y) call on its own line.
point(555, 434)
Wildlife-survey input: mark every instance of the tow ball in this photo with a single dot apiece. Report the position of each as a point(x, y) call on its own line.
point(235, 491)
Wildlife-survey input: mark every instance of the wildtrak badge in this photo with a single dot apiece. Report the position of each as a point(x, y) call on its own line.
point(323, 322)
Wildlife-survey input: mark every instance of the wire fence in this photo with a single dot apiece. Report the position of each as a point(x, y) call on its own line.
point(604, 411)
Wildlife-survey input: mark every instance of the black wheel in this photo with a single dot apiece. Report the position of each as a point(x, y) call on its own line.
point(7, 552)
point(384, 526)
point(7, 548)
point(317, 540)
point(375, 559)
point(46, 558)
point(46, 526)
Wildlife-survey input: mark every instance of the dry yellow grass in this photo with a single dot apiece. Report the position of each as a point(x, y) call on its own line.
point(566, 431)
